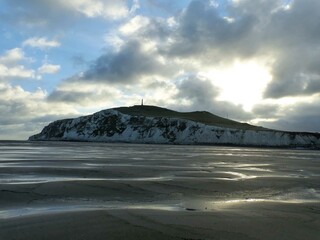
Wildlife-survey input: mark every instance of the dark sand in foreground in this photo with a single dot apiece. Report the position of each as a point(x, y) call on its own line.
point(258, 221)
point(118, 191)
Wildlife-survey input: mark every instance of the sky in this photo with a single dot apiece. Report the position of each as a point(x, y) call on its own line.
point(255, 61)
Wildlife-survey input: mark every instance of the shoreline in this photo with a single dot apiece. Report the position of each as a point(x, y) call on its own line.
point(184, 144)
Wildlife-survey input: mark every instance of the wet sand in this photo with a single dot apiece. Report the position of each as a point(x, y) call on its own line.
point(120, 191)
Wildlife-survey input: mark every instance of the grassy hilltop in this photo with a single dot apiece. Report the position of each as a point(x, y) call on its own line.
point(198, 116)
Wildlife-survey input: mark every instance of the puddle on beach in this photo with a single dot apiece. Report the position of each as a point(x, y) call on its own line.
point(31, 179)
point(77, 207)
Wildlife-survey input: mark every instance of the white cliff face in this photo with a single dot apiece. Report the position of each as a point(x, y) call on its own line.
point(114, 126)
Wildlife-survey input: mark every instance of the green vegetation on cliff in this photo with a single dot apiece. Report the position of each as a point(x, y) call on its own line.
point(198, 116)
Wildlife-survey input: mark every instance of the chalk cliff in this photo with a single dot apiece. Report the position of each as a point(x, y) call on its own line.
point(149, 124)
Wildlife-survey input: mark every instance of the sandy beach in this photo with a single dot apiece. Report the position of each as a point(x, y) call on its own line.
point(119, 191)
point(258, 221)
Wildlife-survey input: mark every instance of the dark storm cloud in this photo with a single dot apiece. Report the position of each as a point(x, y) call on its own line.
point(313, 85)
point(261, 8)
point(82, 98)
point(198, 91)
point(125, 66)
point(202, 30)
point(295, 36)
point(67, 96)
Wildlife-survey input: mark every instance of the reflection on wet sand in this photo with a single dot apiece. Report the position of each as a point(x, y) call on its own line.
point(73, 205)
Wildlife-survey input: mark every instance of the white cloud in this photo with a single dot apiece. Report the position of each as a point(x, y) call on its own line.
point(16, 72)
point(24, 113)
point(41, 42)
point(98, 8)
point(10, 68)
point(49, 68)
point(171, 21)
point(12, 56)
point(51, 15)
point(114, 40)
point(17, 93)
point(135, 24)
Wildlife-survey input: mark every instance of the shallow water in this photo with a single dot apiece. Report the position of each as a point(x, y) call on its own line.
point(47, 177)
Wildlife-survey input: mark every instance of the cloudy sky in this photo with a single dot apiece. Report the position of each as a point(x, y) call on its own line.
point(255, 61)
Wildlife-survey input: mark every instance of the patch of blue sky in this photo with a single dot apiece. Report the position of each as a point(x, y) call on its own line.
point(161, 8)
point(10, 38)
point(221, 6)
